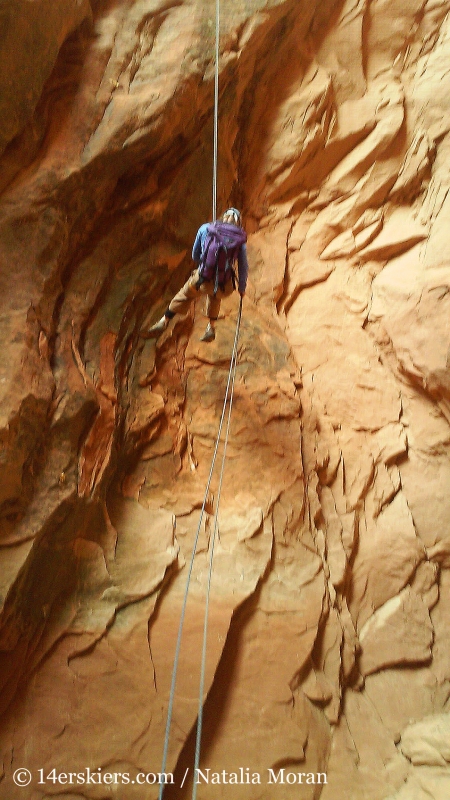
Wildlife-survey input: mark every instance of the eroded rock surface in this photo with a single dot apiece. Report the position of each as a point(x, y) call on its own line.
point(328, 648)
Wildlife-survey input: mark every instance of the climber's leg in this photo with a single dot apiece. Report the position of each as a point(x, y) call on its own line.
point(178, 305)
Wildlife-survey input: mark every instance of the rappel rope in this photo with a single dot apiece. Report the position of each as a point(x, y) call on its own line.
point(229, 392)
point(232, 374)
point(216, 113)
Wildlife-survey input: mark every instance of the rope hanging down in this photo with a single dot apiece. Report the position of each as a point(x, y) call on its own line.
point(229, 392)
point(216, 113)
point(232, 377)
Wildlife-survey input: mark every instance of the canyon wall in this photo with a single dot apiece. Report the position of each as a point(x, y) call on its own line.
point(329, 646)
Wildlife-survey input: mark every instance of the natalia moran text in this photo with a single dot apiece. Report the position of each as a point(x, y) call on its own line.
point(243, 775)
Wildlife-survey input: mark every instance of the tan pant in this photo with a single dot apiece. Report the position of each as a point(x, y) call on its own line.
point(189, 292)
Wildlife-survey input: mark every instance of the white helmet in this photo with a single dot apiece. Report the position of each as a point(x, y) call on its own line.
point(235, 214)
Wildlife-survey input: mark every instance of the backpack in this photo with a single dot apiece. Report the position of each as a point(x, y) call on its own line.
point(221, 247)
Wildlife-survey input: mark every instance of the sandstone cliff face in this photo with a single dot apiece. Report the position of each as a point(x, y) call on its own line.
point(328, 650)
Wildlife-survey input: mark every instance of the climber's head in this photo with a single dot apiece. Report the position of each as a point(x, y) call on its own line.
point(232, 216)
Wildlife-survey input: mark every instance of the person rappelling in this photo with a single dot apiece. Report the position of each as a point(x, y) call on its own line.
point(217, 247)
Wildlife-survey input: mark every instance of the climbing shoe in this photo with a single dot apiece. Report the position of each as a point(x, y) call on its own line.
point(209, 335)
point(156, 330)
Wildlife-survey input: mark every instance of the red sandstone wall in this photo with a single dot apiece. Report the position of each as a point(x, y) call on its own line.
point(328, 648)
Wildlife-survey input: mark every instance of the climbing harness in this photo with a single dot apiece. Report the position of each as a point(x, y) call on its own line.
point(229, 393)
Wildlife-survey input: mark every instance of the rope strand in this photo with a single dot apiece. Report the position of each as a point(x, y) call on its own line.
point(216, 113)
point(231, 377)
point(191, 564)
point(233, 365)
